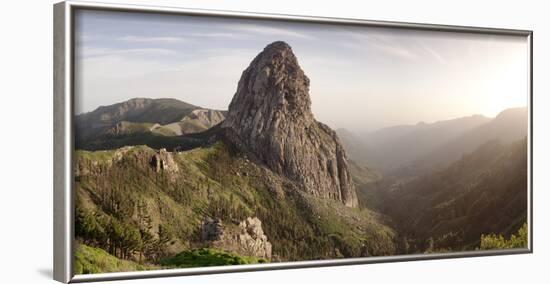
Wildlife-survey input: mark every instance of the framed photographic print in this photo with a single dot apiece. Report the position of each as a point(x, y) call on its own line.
point(195, 142)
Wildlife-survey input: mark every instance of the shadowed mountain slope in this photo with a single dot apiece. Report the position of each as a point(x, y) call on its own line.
point(483, 192)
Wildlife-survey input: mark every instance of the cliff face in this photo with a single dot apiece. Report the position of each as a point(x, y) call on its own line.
point(270, 117)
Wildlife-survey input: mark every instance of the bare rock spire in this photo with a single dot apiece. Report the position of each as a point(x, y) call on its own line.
point(270, 116)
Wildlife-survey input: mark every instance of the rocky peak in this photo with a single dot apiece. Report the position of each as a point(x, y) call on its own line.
point(270, 117)
point(272, 86)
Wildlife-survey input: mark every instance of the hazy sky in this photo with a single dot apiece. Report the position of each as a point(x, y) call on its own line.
point(361, 78)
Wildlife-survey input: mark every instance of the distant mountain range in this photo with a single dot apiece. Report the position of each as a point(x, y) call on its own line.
point(153, 122)
point(415, 149)
point(508, 126)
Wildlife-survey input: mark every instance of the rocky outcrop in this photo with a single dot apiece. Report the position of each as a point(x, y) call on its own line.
point(206, 117)
point(270, 117)
point(252, 239)
point(211, 230)
point(84, 167)
point(163, 161)
point(197, 121)
point(247, 238)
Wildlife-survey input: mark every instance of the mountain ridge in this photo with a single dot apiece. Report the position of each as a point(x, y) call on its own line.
point(158, 123)
point(393, 146)
point(413, 149)
point(508, 126)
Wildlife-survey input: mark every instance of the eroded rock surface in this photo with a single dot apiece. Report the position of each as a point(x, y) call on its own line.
point(247, 238)
point(270, 117)
point(163, 161)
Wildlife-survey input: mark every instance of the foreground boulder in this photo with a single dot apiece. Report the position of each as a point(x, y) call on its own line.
point(247, 238)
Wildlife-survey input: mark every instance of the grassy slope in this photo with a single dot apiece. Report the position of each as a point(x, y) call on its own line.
point(89, 260)
point(216, 182)
point(208, 257)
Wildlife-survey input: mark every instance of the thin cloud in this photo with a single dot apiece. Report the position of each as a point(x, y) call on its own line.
point(432, 52)
point(145, 39)
point(360, 41)
point(270, 31)
point(394, 50)
point(88, 38)
point(88, 52)
point(225, 35)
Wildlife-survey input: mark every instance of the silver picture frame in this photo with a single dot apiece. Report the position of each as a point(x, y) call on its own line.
point(64, 32)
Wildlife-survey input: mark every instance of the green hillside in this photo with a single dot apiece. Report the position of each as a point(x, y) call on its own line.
point(482, 193)
point(89, 260)
point(208, 257)
point(131, 210)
